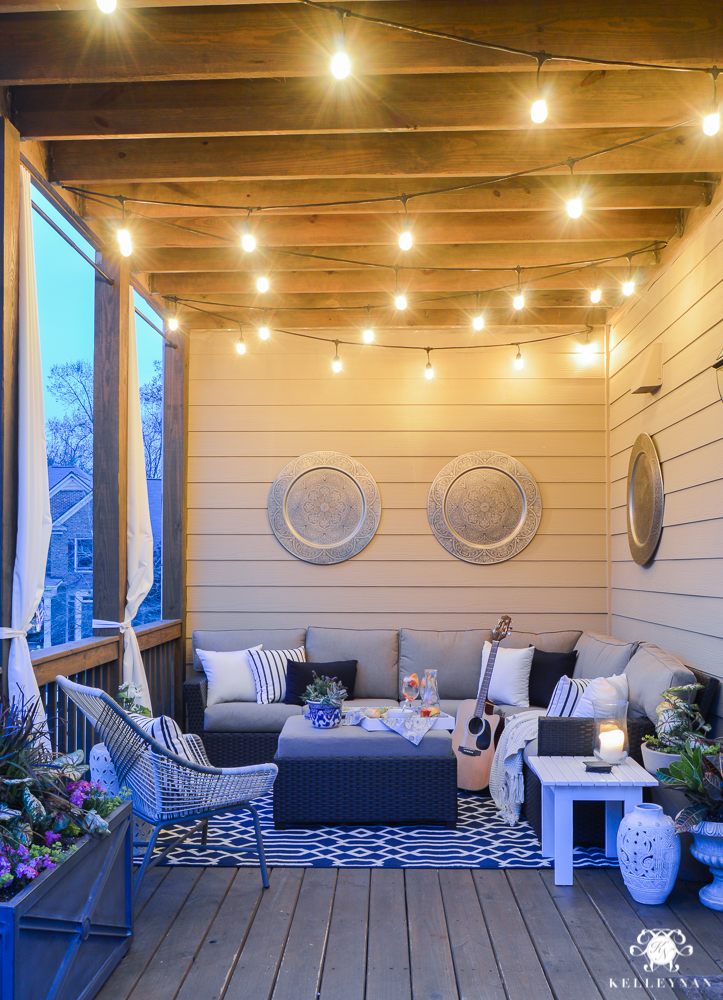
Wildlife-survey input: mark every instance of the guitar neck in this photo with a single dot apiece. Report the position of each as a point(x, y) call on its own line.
point(485, 685)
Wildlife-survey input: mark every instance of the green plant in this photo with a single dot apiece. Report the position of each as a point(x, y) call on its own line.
point(680, 725)
point(700, 777)
point(324, 691)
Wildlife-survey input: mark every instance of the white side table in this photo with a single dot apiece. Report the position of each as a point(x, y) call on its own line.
point(564, 781)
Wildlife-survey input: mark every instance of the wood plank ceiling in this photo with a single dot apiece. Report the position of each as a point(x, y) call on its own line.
point(233, 105)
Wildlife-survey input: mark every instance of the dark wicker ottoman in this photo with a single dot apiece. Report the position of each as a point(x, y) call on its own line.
point(350, 777)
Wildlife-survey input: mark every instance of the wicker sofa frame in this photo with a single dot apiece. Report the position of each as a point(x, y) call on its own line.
point(225, 749)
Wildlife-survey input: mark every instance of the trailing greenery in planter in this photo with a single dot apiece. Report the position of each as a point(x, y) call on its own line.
point(680, 725)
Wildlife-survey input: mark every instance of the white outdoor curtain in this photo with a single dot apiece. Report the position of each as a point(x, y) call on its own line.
point(139, 551)
point(34, 520)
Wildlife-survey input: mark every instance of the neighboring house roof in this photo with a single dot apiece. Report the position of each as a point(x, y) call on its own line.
point(71, 489)
point(68, 477)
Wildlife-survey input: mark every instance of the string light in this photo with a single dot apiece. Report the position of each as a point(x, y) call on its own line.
point(519, 300)
point(262, 284)
point(586, 348)
point(248, 240)
point(368, 333)
point(336, 363)
point(400, 300)
point(428, 371)
point(240, 344)
point(264, 332)
point(125, 243)
point(538, 111)
point(107, 6)
point(406, 240)
point(340, 62)
point(478, 320)
point(172, 321)
point(519, 360)
point(629, 283)
point(574, 202)
point(711, 121)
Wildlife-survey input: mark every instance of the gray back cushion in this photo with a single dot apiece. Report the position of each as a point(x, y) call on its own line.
point(457, 656)
point(245, 638)
point(650, 672)
point(376, 651)
point(601, 655)
point(550, 642)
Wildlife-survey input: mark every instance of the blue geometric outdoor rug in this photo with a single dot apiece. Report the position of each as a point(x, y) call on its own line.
point(481, 840)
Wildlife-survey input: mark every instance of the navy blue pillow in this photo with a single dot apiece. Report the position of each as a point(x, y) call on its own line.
point(299, 676)
point(546, 671)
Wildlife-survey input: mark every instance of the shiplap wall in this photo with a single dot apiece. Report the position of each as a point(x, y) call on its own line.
point(677, 601)
point(249, 416)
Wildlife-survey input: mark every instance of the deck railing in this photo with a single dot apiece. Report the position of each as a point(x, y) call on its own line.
point(97, 663)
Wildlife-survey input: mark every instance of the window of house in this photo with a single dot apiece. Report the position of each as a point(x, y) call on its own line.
point(83, 554)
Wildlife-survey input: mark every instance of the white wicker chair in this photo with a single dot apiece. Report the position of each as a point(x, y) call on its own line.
point(166, 789)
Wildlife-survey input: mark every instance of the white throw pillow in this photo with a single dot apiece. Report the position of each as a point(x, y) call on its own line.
point(601, 689)
point(269, 669)
point(510, 683)
point(229, 675)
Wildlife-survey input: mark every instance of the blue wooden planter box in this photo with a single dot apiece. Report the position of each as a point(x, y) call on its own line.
point(62, 936)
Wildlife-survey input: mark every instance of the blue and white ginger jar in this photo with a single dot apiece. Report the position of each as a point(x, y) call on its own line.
point(649, 853)
point(324, 716)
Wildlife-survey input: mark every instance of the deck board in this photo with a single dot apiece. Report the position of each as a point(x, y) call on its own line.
point(393, 934)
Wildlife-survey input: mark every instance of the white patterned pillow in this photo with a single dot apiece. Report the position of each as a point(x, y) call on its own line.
point(269, 669)
point(568, 692)
point(167, 732)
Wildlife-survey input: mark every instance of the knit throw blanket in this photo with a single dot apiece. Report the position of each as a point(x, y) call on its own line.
point(506, 783)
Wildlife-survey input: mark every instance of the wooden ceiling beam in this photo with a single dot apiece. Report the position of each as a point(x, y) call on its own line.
point(597, 99)
point(438, 154)
point(294, 40)
point(495, 255)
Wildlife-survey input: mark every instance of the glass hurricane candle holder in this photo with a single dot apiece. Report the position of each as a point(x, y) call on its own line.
point(611, 731)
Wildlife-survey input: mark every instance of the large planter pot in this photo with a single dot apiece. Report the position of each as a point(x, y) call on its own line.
point(655, 759)
point(649, 853)
point(62, 936)
point(708, 848)
point(324, 716)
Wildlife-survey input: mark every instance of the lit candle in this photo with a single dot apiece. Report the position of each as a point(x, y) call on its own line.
point(611, 745)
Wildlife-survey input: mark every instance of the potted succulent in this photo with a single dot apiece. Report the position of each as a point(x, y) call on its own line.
point(680, 727)
point(699, 776)
point(65, 869)
point(325, 698)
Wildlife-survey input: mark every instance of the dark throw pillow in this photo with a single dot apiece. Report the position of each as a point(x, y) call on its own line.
point(547, 669)
point(299, 676)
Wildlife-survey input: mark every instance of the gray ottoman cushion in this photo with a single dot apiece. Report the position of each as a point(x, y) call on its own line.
point(650, 671)
point(375, 650)
point(457, 656)
point(245, 638)
point(601, 655)
point(550, 642)
point(371, 703)
point(247, 717)
point(299, 739)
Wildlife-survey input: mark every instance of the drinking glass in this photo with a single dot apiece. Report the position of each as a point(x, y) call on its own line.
point(410, 688)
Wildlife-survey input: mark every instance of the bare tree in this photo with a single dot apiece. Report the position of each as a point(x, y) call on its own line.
point(152, 418)
point(70, 437)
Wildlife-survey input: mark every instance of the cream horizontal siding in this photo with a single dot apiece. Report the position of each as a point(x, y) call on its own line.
point(677, 601)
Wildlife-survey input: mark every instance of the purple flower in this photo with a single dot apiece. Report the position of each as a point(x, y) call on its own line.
point(26, 871)
point(50, 838)
point(4, 865)
point(23, 852)
point(77, 798)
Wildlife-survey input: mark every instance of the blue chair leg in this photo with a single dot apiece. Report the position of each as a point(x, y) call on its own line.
point(260, 847)
point(204, 834)
point(146, 859)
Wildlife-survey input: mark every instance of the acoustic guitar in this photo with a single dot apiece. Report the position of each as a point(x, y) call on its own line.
point(478, 729)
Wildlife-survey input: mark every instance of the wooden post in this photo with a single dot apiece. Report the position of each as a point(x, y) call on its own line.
point(9, 227)
point(173, 583)
point(110, 442)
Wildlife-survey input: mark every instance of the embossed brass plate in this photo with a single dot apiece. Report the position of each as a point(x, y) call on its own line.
point(645, 500)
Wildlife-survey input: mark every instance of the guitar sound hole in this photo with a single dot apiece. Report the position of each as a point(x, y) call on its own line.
point(475, 725)
point(480, 729)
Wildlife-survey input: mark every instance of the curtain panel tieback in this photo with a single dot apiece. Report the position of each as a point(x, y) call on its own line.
point(13, 633)
point(133, 669)
point(123, 626)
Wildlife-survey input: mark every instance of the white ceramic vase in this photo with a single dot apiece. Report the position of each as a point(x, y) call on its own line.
point(708, 848)
point(654, 759)
point(649, 853)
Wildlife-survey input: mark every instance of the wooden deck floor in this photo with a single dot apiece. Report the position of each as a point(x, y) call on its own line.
point(419, 934)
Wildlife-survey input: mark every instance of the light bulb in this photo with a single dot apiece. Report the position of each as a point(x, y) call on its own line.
point(519, 301)
point(711, 122)
point(368, 336)
point(336, 365)
point(240, 347)
point(478, 322)
point(107, 6)
point(406, 240)
point(538, 111)
point(574, 208)
point(248, 242)
point(429, 371)
point(519, 362)
point(400, 300)
point(264, 332)
point(262, 284)
point(173, 324)
point(340, 64)
point(125, 243)
point(595, 295)
point(587, 350)
point(628, 287)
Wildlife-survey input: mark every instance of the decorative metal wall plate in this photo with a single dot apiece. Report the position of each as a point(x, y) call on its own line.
point(324, 507)
point(484, 507)
point(645, 500)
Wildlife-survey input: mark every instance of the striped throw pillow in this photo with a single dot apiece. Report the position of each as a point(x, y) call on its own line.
point(568, 691)
point(269, 669)
point(167, 732)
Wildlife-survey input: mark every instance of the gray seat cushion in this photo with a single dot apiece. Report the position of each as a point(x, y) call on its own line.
point(245, 638)
point(550, 642)
point(248, 717)
point(650, 671)
point(456, 656)
point(375, 650)
point(601, 655)
point(300, 739)
point(507, 711)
